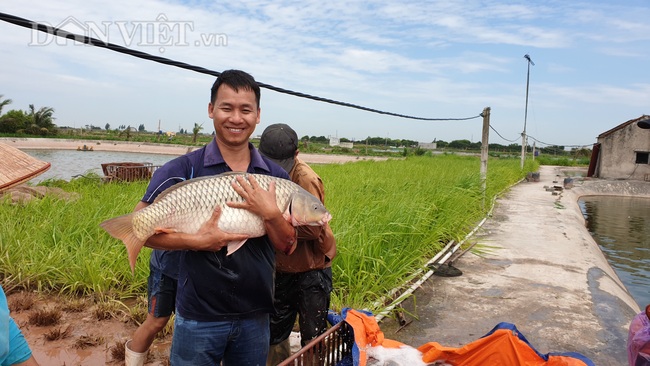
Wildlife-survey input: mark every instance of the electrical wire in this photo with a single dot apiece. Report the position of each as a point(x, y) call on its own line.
point(113, 47)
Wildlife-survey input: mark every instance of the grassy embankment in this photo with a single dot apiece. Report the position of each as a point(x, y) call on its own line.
point(389, 219)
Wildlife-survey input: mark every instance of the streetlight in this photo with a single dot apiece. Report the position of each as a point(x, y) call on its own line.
point(523, 135)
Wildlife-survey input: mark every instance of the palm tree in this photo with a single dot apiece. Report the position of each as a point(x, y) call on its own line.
point(43, 117)
point(197, 128)
point(4, 103)
point(42, 121)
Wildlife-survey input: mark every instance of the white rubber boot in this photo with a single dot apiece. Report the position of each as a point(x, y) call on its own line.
point(132, 358)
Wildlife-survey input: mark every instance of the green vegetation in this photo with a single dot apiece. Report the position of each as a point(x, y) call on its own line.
point(31, 122)
point(563, 160)
point(56, 244)
point(389, 219)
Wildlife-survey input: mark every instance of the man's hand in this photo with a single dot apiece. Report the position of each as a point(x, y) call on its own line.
point(257, 200)
point(210, 237)
point(262, 203)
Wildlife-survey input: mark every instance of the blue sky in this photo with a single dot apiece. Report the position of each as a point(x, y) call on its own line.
point(432, 59)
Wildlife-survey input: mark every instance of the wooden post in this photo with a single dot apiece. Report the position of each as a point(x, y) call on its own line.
point(485, 137)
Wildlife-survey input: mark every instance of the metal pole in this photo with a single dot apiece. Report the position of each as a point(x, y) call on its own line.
point(523, 135)
point(485, 137)
point(533, 150)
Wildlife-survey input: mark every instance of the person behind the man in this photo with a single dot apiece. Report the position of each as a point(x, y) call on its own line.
point(223, 302)
point(303, 280)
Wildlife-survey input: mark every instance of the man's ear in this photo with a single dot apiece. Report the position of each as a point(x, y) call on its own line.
point(210, 110)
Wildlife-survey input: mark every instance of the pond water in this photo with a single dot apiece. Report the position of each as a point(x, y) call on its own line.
point(67, 164)
point(621, 227)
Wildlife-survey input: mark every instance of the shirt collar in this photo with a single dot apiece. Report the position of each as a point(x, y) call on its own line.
point(213, 157)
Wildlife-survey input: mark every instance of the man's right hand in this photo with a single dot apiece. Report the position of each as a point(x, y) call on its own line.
point(210, 237)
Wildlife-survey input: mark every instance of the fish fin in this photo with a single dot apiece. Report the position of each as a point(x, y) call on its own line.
point(121, 227)
point(233, 246)
point(164, 230)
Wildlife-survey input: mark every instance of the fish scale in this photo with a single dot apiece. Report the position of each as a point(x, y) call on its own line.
point(186, 206)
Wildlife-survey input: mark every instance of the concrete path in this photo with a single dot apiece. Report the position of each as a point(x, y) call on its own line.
point(539, 269)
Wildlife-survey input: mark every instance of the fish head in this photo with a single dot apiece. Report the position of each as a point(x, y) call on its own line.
point(306, 209)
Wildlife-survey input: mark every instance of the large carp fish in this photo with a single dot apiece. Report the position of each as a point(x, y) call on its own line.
point(186, 206)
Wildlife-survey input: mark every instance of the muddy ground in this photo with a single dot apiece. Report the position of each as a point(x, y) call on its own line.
point(65, 331)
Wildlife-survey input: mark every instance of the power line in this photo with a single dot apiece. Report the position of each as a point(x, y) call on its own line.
point(113, 47)
point(545, 143)
point(497, 132)
point(540, 142)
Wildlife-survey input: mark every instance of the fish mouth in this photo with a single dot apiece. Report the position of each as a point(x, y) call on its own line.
point(322, 222)
point(325, 219)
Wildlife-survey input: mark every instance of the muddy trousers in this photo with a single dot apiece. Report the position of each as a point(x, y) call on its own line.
point(305, 295)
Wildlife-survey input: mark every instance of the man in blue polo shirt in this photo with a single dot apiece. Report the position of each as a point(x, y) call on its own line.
point(223, 302)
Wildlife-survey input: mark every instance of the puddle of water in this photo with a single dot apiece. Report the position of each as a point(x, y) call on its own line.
point(621, 227)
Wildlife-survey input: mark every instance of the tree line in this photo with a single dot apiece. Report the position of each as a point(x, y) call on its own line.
point(41, 122)
point(31, 122)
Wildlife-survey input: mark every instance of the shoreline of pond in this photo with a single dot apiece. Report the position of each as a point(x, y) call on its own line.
point(538, 268)
point(153, 148)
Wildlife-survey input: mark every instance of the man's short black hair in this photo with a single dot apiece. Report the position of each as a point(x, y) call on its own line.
point(236, 79)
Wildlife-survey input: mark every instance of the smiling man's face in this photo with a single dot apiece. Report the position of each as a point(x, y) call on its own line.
point(234, 114)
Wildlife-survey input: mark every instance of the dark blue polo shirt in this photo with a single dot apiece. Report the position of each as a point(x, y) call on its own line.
point(211, 285)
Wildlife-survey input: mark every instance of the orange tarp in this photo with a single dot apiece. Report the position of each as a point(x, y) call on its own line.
point(504, 345)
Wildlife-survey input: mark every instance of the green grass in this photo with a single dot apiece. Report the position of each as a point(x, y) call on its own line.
point(389, 218)
point(56, 244)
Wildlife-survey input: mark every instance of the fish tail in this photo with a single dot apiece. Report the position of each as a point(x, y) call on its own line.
point(121, 227)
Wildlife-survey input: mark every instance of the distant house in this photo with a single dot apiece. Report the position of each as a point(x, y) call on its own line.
point(335, 141)
point(427, 145)
point(622, 152)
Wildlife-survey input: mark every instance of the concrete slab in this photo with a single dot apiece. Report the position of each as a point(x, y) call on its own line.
point(535, 265)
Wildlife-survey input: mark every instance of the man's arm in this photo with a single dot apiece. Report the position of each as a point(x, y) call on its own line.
point(209, 236)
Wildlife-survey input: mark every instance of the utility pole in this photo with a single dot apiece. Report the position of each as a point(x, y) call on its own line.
point(523, 135)
point(485, 140)
point(534, 150)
